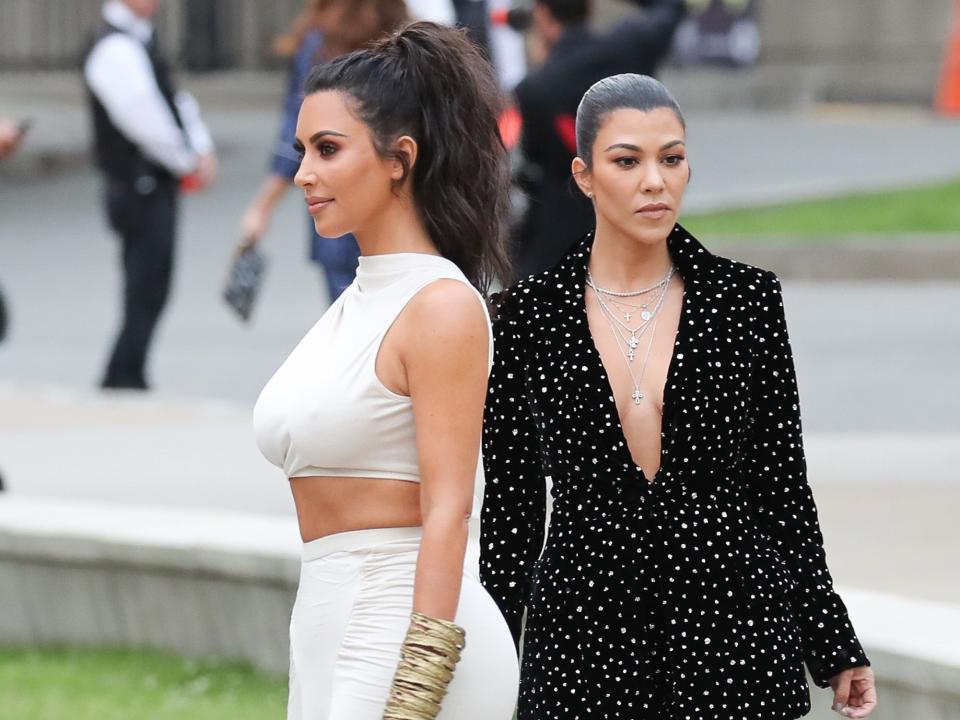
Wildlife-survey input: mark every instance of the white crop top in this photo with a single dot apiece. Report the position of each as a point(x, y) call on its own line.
point(325, 412)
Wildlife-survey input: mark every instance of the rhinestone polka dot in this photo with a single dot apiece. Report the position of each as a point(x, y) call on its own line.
point(700, 596)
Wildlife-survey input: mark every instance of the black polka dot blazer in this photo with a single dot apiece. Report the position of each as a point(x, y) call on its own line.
point(699, 595)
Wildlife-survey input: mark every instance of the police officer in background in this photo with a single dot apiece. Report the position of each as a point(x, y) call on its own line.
point(149, 139)
point(574, 59)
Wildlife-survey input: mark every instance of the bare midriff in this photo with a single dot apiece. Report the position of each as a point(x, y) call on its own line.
point(328, 505)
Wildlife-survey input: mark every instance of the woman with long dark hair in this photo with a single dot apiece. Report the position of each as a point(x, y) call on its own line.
point(325, 29)
point(376, 415)
point(643, 389)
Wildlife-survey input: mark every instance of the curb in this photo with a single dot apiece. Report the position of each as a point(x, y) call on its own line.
point(929, 257)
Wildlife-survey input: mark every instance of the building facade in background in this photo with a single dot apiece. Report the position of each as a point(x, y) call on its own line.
point(880, 50)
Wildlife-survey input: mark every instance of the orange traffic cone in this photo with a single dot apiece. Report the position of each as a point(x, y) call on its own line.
point(948, 94)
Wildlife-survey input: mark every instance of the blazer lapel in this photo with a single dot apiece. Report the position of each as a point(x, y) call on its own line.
point(563, 293)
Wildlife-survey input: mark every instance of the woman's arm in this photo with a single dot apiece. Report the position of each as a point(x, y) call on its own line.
point(777, 470)
point(514, 506)
point(256, 218)
point(445, 358)
point(284, 160)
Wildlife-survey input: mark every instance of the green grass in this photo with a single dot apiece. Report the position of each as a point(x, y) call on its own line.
point(927, 209)
point(60, 684)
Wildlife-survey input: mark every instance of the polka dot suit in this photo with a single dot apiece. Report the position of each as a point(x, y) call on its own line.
point(699, 596)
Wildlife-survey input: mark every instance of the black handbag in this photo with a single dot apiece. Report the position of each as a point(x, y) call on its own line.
point(244, 281)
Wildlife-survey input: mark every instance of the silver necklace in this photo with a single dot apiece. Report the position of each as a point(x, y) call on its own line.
point(628, 310)
point(645, 312)
point(637, 394)
point(634, 335)
point(629, 293)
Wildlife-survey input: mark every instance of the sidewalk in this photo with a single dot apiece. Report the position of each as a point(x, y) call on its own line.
point(887, 501)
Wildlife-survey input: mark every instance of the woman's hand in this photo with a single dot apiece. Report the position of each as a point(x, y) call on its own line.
point(10, 137)
point(854, 692)
point(256, 218)
point(254, 224)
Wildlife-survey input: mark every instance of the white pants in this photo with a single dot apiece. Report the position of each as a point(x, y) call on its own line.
point(349, 620)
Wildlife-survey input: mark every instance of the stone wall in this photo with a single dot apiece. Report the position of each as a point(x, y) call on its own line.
point(825, 50)
point(860, 50)
point(53, 34)
point(191, 582)
point(216, 584)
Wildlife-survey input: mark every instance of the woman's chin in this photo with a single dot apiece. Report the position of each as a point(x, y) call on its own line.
point(328, 229)
point(652, 232)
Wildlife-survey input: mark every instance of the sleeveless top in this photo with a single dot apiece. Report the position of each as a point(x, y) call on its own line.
point(325, 412)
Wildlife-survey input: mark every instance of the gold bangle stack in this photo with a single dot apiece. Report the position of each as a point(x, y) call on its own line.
point(430, 652)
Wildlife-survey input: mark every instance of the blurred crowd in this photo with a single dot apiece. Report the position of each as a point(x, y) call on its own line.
point(151, 144)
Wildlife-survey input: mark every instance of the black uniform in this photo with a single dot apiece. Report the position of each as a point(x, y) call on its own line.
point(699, 595)
point(141, 202)
point(559, 214)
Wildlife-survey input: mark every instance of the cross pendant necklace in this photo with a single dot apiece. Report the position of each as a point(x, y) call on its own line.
point(637, 396)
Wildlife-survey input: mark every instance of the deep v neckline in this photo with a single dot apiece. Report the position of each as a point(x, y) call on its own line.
point(668, 400)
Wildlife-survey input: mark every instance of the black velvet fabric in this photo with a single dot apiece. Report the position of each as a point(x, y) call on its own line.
point(699, 595)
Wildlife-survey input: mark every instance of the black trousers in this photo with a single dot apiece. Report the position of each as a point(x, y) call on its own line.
point(146, 224)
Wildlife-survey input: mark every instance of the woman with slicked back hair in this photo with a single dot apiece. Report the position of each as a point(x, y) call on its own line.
point(679, 572)
point(376, 415)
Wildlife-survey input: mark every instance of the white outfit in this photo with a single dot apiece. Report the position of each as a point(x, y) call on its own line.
point(326, 413)
point(351, 614)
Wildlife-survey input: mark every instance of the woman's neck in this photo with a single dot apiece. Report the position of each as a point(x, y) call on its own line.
point(622, 263)
point(398, 229)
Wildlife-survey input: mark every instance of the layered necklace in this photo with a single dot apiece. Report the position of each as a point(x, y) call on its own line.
point(620, 310)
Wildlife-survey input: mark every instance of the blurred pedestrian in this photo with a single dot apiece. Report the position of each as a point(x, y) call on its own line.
point(574, 58)
point(147, 139)
point(375, 417)
point(322, 31)
point(11, 135)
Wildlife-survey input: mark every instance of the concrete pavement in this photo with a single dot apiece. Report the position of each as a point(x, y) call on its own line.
point(887, 500)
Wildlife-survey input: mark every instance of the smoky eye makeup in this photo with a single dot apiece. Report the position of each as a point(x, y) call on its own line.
point(326, 148)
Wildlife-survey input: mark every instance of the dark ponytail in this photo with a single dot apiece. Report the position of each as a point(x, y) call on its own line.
point(432, 83)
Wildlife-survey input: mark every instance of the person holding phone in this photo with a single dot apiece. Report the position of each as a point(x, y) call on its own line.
point(11, 135)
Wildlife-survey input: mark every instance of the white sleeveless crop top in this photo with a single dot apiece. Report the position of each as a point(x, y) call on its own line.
point(325, 412)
